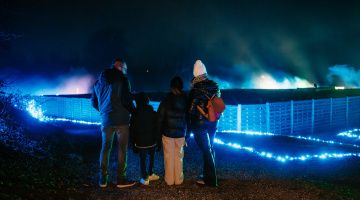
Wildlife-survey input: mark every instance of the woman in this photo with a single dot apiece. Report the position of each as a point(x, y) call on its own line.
point(172, 124)
point(203, 129)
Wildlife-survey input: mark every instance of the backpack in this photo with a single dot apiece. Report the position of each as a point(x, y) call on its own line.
point(215, 106)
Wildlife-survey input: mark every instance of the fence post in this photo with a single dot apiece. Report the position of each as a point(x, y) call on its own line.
point(347, 112)
point(312, 115)
point(291, 117)
point(267, 117)
point(238, 118)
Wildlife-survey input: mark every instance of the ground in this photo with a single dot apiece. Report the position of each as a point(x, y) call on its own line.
point(69, 171)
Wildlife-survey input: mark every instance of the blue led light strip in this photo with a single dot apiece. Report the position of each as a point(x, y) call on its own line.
point(36, 112)
point(350, 134)
point(291, 136)
point(282, 158)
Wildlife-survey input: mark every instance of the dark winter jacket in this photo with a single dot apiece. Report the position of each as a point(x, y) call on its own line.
point(143, 131)
point(198, 96)
point(172, 116)
point(111, 96)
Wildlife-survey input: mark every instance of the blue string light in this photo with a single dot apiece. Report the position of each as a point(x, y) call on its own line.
point(350, 134)
point(290, 136)
point(37, 112)
point(285, 158)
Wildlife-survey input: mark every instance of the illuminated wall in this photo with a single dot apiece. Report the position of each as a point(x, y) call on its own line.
point(286, 118)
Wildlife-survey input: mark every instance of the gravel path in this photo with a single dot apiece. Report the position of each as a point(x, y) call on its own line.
point(241, 176)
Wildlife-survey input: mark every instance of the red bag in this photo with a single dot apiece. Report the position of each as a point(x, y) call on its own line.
point(215, 106)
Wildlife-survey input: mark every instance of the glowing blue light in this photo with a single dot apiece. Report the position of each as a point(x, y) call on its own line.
point(37, 112)
point(350, 134)
point(308, 138)
point(73, 121)
point(249, 132)
point(286, 158)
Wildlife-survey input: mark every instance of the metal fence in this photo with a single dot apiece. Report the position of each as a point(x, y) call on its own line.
point(287, 118)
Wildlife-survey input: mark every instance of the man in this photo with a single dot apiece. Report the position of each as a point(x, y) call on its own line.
point(112, 98)
point(203, 129)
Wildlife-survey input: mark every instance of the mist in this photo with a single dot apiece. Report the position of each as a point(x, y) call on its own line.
point(344, 75)
point(77, 81)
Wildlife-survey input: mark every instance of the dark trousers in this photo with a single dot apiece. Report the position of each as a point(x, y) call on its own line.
point(202, 133)
point(108, 134)
point(143, 154)
point(212, 127)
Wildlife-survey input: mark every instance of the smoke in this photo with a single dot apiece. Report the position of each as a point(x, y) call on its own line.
point(71, 84)
point(344, 75)
point(266, 81)
point(77, 81)
point(224, 84)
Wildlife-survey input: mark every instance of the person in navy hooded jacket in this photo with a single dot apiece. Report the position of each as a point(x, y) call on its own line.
point(144, 136)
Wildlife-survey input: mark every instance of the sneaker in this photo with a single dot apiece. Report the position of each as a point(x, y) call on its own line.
point(154, 177)
point(145, 181)
point(125, 183)
point(103, 180)
point(200, 182)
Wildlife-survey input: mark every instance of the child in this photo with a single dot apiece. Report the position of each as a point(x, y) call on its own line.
point(172, 124)
point(144, 137)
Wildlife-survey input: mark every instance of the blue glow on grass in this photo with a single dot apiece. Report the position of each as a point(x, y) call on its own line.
point(35, 111)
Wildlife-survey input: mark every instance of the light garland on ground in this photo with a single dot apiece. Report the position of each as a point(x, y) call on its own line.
point(282, 158)
point(350, 134)
point(290, 136)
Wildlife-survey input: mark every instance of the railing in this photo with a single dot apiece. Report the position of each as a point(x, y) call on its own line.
point(287, 118)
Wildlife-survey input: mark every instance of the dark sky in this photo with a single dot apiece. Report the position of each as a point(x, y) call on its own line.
point(233, 38)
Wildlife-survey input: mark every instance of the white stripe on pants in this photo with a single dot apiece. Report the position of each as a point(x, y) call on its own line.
point(173, 159)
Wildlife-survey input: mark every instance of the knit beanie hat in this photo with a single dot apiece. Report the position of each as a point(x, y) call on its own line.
point(199, 68)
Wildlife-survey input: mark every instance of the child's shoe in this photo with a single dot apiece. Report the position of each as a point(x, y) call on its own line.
point(145, 181)
point(154, 177)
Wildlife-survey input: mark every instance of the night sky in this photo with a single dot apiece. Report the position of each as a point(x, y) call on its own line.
point(46, 41)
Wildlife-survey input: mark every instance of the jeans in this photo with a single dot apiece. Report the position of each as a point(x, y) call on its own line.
point(108, 133)
point(143, 154)
point(202, 133)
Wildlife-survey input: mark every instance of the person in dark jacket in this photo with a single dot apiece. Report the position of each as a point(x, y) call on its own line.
point(144, 136)
point(172, 122)
point(203, 129)
point(112, 98)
